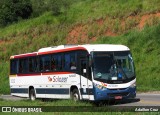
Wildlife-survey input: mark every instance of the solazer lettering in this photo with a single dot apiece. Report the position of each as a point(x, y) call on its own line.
point(60, 79)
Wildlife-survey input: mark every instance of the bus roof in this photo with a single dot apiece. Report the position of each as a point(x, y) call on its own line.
point(63, 48)
point(88, 47)
point(105, 47)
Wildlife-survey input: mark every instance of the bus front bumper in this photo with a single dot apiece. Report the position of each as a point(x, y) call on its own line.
point(115, 94)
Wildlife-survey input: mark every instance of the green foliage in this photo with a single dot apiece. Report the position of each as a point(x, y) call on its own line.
point(88, 10)
point(56, 6)
point(14, 10)
point(59, 5)
point(40, 6)
point(4, 67)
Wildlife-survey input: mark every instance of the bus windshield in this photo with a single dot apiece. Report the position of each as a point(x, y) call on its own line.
point(113, 67)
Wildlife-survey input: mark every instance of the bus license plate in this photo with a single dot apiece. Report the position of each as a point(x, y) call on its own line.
point(118, 97)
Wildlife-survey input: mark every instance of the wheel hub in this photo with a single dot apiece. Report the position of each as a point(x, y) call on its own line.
point(75, 97)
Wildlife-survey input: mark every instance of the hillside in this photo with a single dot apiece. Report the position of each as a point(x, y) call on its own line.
point(134, 23)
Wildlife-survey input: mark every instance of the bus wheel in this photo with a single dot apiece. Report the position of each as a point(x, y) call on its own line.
point(75, 95)
point(32, 95)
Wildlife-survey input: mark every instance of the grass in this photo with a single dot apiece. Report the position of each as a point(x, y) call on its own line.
point(96, 9)
point(39, 102)
point(25, 25)
point(63, 105)
point(4, 81)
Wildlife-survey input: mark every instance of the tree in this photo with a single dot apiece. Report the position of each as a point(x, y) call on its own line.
point(58, 5)
point(13, 10)
point(40, 6)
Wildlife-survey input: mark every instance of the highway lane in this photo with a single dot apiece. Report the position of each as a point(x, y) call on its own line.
point(12, 98)
point(149, 99)
point(142, 99)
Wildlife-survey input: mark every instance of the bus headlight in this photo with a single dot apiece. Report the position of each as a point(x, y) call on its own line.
point(133, 85)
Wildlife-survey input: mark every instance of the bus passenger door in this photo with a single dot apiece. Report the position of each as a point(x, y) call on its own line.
point(85, 82)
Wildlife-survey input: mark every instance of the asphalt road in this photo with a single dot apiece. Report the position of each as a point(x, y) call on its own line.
point(12, 98)
point(142, 99)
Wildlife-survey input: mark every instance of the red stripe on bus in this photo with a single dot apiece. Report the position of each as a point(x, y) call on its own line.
point(25, 55)
point(47, 73)
point(61, 50)
point(37, 74)
point(55, 73)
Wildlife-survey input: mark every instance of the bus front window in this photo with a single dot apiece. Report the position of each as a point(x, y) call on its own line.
point(113, 66)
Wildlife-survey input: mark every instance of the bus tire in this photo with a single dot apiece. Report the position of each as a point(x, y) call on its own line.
point(75, 95)
point(32, 95)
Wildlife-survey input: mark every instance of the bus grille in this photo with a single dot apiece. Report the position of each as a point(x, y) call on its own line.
point(118, 94)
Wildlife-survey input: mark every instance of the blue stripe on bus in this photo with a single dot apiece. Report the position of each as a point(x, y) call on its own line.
point(42, 90)
point(19, 90)
point(52, 91)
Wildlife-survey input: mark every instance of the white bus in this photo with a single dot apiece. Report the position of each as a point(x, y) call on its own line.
point(81, 72)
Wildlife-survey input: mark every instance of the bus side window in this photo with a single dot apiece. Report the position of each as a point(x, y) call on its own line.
point(73, 64)
point(20, 67)
point(23, 65)
point(53, 64)
point(33, 64)
point(30, 64)
point(13, 66)
point(70, 62)
point(67, 62)
point(40, 64)
point(45, 62)
point(59, 62)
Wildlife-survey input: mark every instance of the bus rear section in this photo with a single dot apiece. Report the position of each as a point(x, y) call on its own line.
point(58, 73)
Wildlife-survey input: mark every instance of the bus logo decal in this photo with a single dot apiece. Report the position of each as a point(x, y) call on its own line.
point(49, 79)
